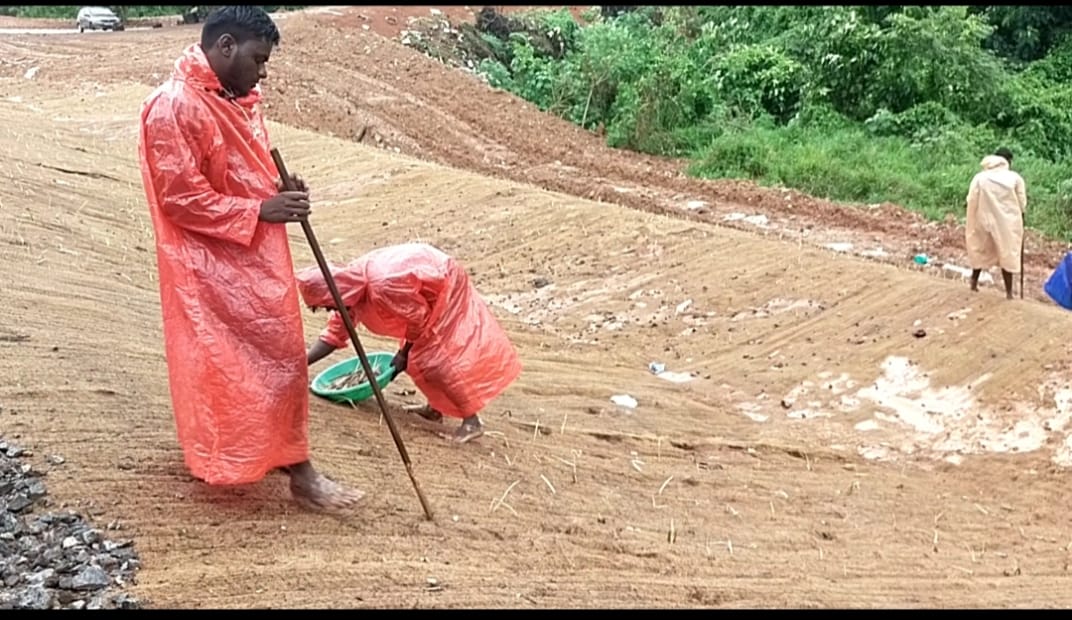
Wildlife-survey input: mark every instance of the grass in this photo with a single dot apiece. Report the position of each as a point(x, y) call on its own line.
point(852, 165)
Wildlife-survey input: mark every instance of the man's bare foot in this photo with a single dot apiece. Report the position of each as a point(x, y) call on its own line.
point(314, 491)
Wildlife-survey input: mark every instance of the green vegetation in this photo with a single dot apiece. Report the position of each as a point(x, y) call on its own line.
point(863, 104)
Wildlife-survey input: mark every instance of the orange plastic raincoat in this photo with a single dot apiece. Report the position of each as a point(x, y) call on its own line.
point(461, 358)
point(232, 319)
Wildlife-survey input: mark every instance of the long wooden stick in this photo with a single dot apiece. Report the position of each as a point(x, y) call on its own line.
point(340, 307)
point(1023, 239)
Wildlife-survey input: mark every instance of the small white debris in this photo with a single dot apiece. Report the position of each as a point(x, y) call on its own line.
point(755, 220)
point(875, 253)
point(675, 377)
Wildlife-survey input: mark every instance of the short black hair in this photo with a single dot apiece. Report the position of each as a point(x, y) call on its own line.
point(242, 22)
point(1004, 152)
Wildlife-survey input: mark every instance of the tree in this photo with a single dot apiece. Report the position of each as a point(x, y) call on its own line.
point(1026, 33)
point(609, 12)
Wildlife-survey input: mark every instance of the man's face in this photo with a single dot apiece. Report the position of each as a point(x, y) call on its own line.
point(245, 64)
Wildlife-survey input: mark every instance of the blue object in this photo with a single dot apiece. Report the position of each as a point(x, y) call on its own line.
point(1059, 286)
point(921, 259)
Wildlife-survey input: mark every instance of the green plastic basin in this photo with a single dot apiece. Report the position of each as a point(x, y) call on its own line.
point(381, 365)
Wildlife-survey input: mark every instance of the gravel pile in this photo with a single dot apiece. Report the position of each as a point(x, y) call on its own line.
point(55, 560)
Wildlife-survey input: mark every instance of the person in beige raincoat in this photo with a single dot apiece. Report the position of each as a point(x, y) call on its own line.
point(997, 199)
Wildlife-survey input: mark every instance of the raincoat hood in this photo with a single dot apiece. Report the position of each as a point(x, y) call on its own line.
point(991, 162)
point(193, 68)
point(314, 290)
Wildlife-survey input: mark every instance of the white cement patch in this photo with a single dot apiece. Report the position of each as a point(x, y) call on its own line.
point(943, 422)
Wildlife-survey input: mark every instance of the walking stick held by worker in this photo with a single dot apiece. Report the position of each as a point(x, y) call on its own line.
point(1023, 239)
point(288, 184)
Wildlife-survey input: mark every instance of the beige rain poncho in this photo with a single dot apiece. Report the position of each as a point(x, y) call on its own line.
point(995, 230)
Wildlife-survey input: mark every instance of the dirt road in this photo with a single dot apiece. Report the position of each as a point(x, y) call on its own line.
point(830, 432)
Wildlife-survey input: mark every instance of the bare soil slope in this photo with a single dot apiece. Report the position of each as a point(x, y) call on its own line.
point(878, 438)
point(333, 76)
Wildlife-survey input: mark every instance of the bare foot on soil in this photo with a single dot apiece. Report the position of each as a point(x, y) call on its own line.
point(426, 412)
point(314, 491)
point(469, 430)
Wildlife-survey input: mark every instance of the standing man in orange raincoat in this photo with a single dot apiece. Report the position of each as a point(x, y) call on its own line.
point(232, 320)
point(451, 345)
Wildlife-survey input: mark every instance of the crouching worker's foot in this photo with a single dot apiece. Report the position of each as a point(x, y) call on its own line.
point(314, 491)
point(426, 412)
point(470, 429)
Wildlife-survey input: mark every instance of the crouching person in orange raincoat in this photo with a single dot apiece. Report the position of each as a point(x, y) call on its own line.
point(232, 319)
point(451, 345)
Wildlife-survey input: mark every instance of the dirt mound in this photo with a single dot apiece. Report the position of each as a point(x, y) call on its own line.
point(396, 98)
point(496, 133)
point(464, 45)
point(903, 233)
point(392, 21)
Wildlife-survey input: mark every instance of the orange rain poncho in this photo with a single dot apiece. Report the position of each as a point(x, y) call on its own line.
point(461, 358)
point(232, 320)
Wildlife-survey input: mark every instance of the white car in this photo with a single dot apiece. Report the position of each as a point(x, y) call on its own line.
point(98, 18)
